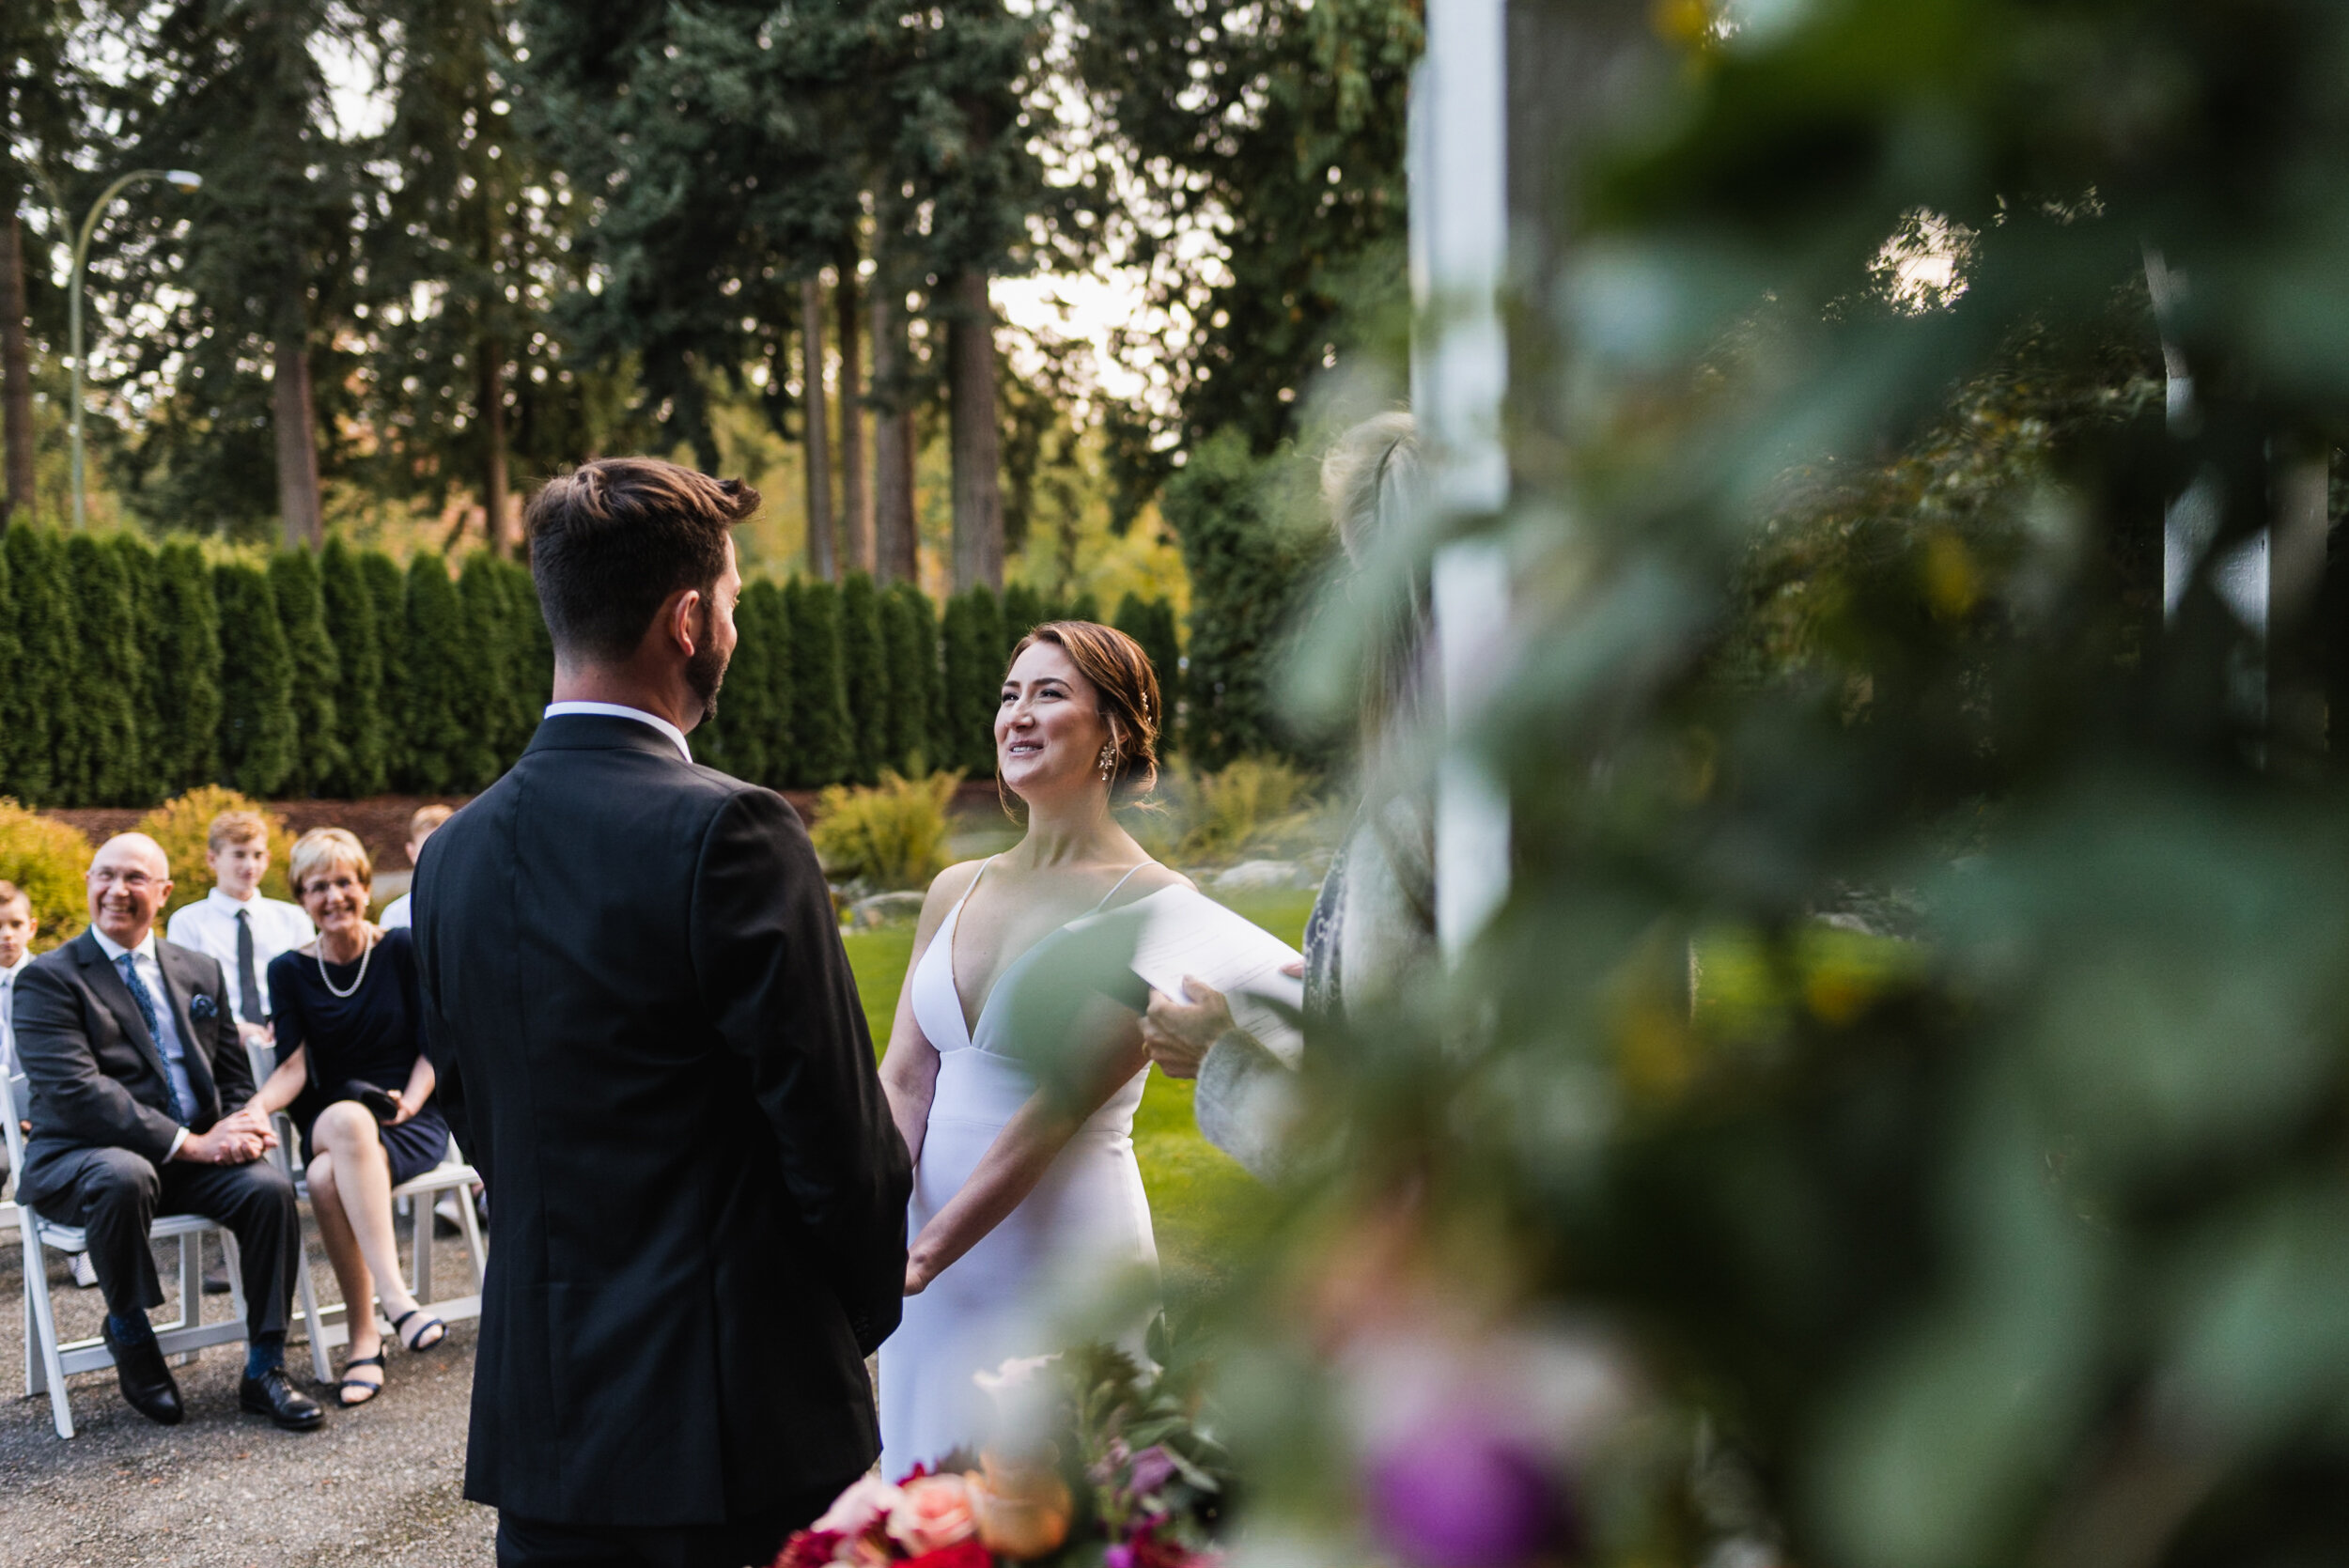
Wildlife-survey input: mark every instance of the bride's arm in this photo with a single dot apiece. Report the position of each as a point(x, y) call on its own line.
point(1026, 1147)
point(908, 1069)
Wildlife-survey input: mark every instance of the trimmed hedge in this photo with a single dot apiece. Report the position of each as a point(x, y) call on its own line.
point(131, 673)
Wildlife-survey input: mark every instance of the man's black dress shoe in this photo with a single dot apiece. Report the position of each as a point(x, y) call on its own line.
point(215, 1281)
point(272, 1394)
point(147, 1382)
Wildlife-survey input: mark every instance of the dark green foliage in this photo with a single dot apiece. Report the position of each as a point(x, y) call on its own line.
point(1290, 120)
point(12, 698)
point(910, 628)
point(41, 722)
point(1024, 610)
point(1250, 571)
point(363, 725)
point(103, 766)
point(435, 746)
point(185, 667)
point(258, 733)
point(386, 588)
point(822, 750)
point(971, 665)
point(1151, 623)
point(532, 653)
point(319, 756)
point(757, 703)
point(1084, 607)
point(488, 703)
point(147, 695)
point(865, 671)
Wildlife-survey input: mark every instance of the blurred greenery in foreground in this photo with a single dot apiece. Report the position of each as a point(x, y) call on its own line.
point(1988, 1200)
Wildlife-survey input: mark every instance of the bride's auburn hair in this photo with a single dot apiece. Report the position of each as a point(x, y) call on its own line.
point(1128, 687)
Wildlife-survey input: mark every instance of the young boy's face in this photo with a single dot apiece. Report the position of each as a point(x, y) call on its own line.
point(238, 867)
point(17, 929)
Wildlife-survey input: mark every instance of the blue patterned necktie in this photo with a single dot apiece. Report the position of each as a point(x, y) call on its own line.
point(146, 1000)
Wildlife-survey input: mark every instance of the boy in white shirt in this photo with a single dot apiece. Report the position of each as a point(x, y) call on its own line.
point(420, 826)
point(234, 923)
point(18, 927)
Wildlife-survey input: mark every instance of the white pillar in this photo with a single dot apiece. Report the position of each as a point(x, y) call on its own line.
point(1458, 164)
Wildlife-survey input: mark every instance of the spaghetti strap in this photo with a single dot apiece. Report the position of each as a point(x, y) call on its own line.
point(972, 888)
point(1121, 882)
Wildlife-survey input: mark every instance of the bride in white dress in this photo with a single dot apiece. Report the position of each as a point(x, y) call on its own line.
point(1024, 1195)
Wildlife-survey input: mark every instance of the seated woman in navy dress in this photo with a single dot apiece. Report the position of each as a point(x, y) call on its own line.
point(352, 1066)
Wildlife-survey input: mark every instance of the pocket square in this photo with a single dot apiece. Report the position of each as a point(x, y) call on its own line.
point(202, 1006)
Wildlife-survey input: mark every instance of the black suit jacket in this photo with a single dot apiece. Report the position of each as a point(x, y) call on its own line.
point(649, 1044)
point(96, 1075)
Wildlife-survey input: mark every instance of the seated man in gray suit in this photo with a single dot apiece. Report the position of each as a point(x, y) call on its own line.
point(139, 1084)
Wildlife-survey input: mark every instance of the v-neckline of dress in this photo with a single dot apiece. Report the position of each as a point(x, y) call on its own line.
point(954, 929)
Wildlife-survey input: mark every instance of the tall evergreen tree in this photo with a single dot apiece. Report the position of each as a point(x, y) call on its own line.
point(488, 704)
point(39, 685)
point(910, 626)
point(12, 662)
point(766, 676)
point(865, 668)
point(104, 768)
point(361, 720)
point(137, 559)
point(319, 753)
point(1024, 610)
point(530, 651)
point(1151, 623)
point(434, 744)
point(822, 752)
point(185, 651)
point(386, 588)
point(257, 729)
point(45, 102)
point(971, 662)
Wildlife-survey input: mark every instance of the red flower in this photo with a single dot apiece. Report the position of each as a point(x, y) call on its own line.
point(809, 1548)
point(962, 1554)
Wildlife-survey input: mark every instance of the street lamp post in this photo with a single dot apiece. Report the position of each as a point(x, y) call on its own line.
point(182, 179)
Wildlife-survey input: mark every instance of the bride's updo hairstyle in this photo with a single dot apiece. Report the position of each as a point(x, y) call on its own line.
point(1128, 687)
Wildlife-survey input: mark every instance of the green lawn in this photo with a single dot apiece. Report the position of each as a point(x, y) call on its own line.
point(1198, 1197)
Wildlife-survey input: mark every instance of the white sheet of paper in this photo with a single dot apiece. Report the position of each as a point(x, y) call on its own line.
point(1181, 932)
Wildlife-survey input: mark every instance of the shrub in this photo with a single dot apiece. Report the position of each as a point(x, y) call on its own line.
point(43, 721)
point(185, 660)
point(820, 745)
point(181, 825)
point(1151, 623)
point(50, 861)
point(972, 671)
point(1256, 803)
point(910, 626)
point(358, 631)
point(892, 834)
point(865, 671)
point(485, 702)
point(315, 673)
point(433, 645)
point(257, 735)
point(1251, 565)
point(104, 766)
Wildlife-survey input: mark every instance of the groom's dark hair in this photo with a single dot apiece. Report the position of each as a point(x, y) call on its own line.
point(612, 538)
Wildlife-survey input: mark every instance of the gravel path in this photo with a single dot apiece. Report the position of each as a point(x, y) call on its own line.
point(378, 1486)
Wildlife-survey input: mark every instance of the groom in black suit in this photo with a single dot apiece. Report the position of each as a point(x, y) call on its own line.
point(649, 1041)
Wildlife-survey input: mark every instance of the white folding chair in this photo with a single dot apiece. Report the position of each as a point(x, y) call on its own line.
point(329, 1326)
point(48, 1363)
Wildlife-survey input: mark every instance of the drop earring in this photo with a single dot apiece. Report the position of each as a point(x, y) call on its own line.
point(1109, 760)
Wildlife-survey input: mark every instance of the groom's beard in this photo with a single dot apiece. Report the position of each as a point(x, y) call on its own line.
point(705, 672)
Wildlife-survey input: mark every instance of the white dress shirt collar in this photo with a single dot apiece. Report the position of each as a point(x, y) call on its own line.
point(231, 905)
point(614, 710)
point(115, 949)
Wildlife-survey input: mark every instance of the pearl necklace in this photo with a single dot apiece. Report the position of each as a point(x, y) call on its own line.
point(320, 954)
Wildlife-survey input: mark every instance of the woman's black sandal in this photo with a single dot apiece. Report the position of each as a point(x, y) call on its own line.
point(343, 1397)
point(417, 1344)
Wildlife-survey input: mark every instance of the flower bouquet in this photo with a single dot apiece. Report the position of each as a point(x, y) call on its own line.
point(1107, 1464)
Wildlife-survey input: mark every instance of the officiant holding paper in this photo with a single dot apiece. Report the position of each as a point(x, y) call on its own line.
point(1373, 927)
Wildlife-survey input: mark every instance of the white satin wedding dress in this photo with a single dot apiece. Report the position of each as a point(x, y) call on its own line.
point(1087, 1221)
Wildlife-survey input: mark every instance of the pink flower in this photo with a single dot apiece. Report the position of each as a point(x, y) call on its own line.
point(932, 1512)
point(867, 1501)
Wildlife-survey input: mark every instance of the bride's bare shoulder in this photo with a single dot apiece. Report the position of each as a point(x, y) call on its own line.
point(947, 886)
point(1154, 877)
